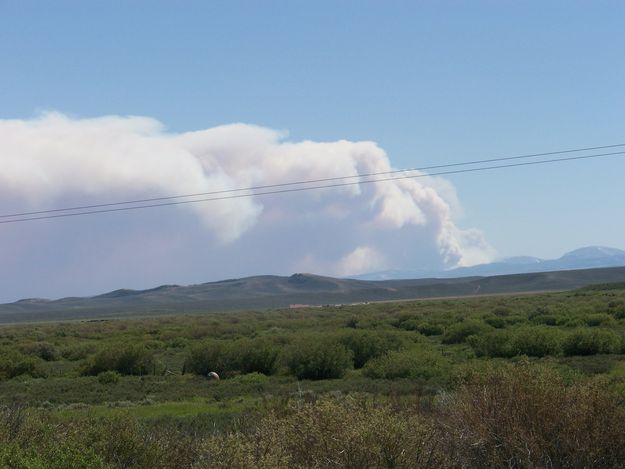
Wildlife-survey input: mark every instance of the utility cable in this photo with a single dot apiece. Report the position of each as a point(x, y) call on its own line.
point(309, 181)
point(326, 186)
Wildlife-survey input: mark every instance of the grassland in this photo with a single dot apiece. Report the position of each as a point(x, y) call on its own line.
point(522, 381)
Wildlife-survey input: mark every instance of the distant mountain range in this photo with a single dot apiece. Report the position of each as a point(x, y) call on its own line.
point(270, 291)
point(583, 258)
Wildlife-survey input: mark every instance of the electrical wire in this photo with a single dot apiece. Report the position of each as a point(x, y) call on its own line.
point(326, 186)
point(310, 181)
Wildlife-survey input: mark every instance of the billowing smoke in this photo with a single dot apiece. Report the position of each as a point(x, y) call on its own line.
point(56, 161)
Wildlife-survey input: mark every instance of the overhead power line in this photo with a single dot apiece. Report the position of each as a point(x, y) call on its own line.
point(309, 181)
point(46, 214)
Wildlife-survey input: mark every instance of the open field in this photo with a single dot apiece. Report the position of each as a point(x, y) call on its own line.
point(526, 381)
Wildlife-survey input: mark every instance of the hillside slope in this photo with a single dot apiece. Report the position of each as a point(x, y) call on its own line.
point(277, 292)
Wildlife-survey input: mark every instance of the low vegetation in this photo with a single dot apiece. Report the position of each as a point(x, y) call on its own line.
point(517, 381)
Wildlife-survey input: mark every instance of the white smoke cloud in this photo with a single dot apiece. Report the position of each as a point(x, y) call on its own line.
point(54, 160)
point(361, 260)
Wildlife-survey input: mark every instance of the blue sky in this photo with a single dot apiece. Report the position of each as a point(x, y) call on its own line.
point(429, 82)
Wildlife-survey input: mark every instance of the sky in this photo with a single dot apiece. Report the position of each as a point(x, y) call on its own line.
point(111, 101)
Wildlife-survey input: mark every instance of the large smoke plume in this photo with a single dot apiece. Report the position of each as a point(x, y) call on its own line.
point(54, 160)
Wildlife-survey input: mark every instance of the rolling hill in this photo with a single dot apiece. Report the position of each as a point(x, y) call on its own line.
point(269, 291)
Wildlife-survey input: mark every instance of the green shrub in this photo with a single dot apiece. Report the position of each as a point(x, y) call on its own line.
point(540, 311)
point(251, 378)
point(125, 359)
point(52, 454)
point(515, 319)
point(531, 341)
point(228, 358)
point(338, 433)
point(366, 345)
point(495, 321)
point(253, 356)
point(178, 342)
point(458, 333)
point(501, 311)
point(493, 344)
point(132, 360)
point(410, 324)
point(599, 319)
point(617, 309)
point(413, 364)
point(526, 416)
point(429, 329)
point(352, 322)
point(44, 350)
point(575, 322)
point(591, 342)
point(14, 364)
point(536, 341)
point(108, 377)
point(618, 313)
point(77, 352)
point(318, 359)
point(207, 356)
point(546, 319)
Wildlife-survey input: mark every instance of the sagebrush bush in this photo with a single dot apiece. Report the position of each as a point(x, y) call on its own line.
point(527, 416)
point(350, 433)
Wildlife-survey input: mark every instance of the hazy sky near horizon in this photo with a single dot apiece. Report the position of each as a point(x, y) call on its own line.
point(106, 101)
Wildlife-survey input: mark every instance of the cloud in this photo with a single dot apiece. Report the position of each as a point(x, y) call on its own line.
point(361, 260)
point(54, 160)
